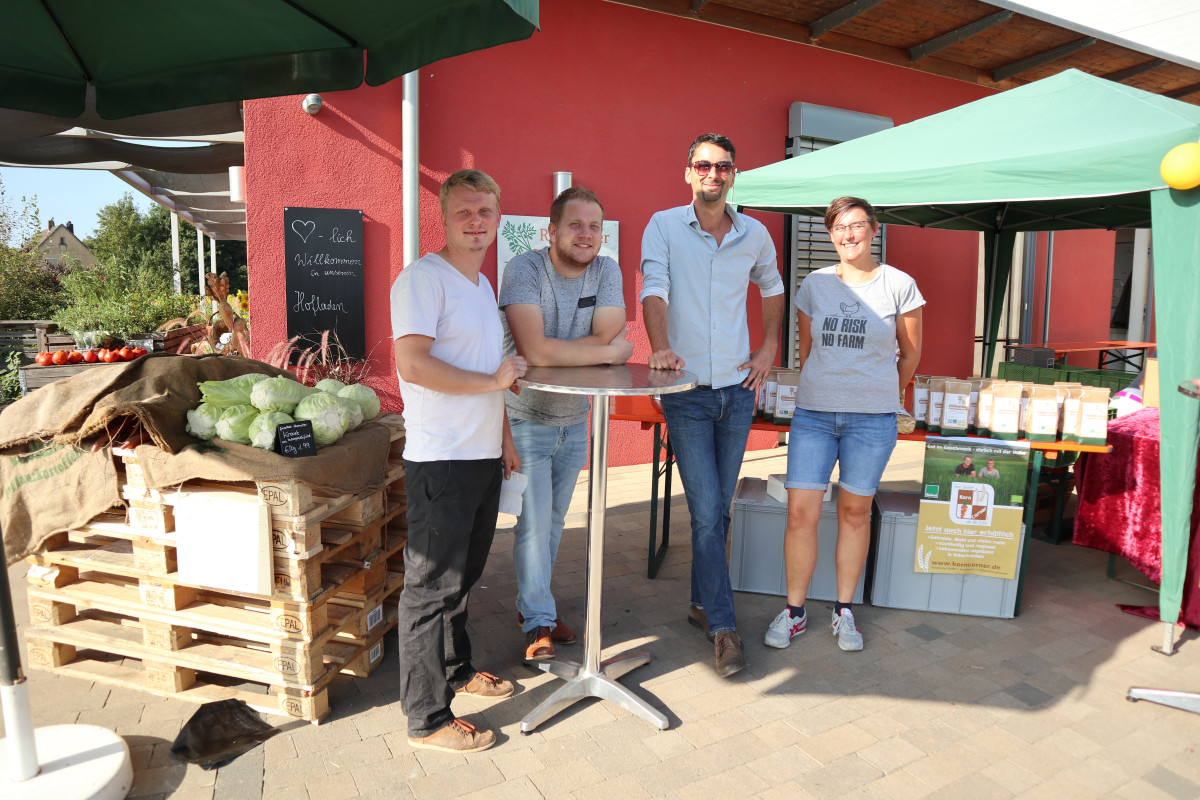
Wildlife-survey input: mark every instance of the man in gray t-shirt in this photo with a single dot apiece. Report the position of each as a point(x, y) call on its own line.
point(563, 307)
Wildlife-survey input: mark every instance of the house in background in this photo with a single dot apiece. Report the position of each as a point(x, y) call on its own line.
point(60, 241)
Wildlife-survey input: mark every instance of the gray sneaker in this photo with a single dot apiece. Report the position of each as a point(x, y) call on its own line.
point(849, 636)
point(785, 628)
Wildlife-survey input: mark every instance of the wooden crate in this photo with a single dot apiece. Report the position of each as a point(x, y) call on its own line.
point(35, 377)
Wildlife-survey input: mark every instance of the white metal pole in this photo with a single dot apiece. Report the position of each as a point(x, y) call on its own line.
point(410, 163)
point(200, 260)
point(1138, 281)
point(175, 252)
point(562, 182)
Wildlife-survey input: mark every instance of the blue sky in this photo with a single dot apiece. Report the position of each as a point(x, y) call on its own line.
point(74, 195)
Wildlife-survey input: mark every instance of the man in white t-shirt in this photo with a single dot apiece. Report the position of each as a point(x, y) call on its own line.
point(448, 342)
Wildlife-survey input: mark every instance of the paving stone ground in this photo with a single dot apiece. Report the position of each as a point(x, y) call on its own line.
point(937, 705)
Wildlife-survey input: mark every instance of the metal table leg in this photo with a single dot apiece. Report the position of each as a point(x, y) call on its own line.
point(1035, 474)
point(656, 556)
point(594, 678)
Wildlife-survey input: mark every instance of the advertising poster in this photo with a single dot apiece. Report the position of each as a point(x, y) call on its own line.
point(519, 234)
point(972, 506)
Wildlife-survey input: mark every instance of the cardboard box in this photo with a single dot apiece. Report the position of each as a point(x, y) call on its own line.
point(756, 545)
point(1150, 384)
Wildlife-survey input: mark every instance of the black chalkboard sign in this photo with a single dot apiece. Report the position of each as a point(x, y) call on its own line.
point(324, 250)
point(295, 439)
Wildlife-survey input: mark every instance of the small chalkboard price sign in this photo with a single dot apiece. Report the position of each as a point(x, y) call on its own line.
point(295, 439)
point(324, 252)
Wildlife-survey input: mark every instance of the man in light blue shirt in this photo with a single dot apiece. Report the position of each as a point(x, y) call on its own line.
point(697, 264)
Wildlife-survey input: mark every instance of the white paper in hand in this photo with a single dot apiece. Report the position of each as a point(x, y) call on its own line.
point(511, 491)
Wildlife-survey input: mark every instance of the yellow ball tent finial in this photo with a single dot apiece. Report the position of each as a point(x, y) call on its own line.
point(1181, 166)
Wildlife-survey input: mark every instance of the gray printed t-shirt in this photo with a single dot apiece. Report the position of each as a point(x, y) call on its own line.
point(852, 364)
point(531, 278)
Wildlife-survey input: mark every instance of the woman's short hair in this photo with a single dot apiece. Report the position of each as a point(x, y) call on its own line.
point(844, 204)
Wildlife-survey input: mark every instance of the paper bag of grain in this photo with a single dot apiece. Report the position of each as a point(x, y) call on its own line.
point(937, 399)
point(1093, 416)
point(1042, 424)
point(983, 410)
point(1006, 411)
point(973, 401)
point(956, 407)
point(920, 400)
point(765, 392)
point(1026, 393)
point(785, 396)
point(1063, 388)
point(1070, 415)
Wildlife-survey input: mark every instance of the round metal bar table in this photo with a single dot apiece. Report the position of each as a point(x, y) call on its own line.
point(596, 678)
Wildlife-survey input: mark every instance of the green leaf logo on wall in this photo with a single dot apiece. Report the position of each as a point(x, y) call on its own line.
point(518, 237)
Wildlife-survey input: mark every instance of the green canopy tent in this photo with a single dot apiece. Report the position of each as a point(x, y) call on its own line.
point(144, 56)
point(1067, 152)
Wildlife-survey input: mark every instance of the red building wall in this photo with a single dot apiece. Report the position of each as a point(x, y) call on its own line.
point(614, 95)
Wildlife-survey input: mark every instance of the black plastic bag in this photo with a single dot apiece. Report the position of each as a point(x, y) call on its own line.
point(219, 732)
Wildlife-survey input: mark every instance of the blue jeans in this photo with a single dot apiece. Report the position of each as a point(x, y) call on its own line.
point(861, 444)
point(551, 457)
point(708, 429)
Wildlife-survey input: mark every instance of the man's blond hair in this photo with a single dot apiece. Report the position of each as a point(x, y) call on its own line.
point(471, 179)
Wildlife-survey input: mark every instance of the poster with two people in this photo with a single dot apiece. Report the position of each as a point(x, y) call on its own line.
point(972, 506)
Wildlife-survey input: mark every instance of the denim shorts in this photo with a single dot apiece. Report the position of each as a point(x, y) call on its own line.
point(861, 444)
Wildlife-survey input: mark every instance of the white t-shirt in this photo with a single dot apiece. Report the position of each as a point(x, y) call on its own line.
point(432, 298)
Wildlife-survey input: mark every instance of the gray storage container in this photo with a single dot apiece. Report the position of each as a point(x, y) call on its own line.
point(897, 584)
point(756, 545)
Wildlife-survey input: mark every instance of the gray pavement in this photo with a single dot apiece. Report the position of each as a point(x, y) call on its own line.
point(937, 705)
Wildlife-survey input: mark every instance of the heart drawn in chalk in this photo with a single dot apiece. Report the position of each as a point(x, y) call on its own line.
point(303, 228)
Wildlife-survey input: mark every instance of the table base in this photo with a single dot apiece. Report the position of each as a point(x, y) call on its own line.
point(581, 684)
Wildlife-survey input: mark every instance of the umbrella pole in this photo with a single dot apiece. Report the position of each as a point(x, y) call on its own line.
point(14, 694)
point(78, 761)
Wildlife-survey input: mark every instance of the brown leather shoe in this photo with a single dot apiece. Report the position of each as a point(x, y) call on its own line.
point(539, 645)
point(698, 619)
point(485, 684)
point(459, 736)
point(730, 658)
point(559, 634)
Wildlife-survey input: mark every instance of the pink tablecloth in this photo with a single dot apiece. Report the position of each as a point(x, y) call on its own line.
point(1119, 508)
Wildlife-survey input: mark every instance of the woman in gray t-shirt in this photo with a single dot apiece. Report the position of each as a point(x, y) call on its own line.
point(853, 319)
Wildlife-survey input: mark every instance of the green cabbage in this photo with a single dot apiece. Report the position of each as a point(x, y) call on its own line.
point(234, 424)
point(233, 392)
point(202, 420)
point(327, 415)
point(331, 385)
point(366, 398)
point(262, 428)
point(278, 394)
point(352, 413)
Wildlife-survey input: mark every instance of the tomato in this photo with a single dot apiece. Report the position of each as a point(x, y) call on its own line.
point(90, 357)
point(74, 357)
point(110, 357)
point(44, 359)
point(138, 352)
point(125, 354)
point(59, 357)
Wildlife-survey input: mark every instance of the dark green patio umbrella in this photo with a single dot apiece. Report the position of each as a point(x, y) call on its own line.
point(143, 56)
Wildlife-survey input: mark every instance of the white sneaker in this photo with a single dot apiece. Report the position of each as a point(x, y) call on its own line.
point(849, 636)
point(785, 628)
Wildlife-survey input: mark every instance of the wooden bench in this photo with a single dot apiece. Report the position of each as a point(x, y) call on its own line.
point(30, 337)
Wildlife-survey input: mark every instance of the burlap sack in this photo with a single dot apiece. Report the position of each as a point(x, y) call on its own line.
point(52, 484)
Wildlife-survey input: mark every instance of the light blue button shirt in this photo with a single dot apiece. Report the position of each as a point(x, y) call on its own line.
point(705, 288)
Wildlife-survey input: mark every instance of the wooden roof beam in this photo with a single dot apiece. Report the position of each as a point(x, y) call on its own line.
point(958, 35)
point(1184, 91)
point(1137, 69)
point(841, 16)
point(1041, 59)
point(699, 4)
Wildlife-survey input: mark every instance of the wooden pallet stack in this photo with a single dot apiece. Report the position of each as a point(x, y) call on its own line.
point(106, 602)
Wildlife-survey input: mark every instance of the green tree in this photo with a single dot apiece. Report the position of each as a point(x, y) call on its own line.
point(28, 290)
point(142, 242)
